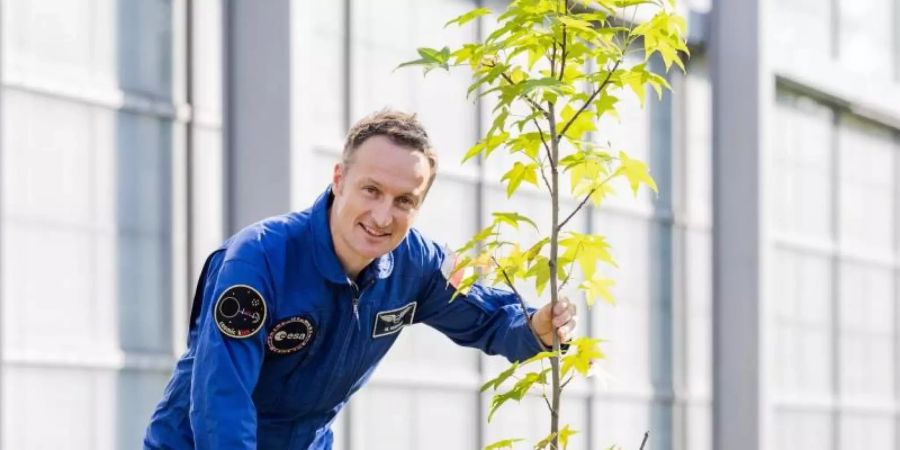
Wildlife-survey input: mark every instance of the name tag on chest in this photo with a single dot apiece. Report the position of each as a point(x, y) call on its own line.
point(393, 320)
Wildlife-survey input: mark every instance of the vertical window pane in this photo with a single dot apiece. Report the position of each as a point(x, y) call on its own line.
point(867, 332)
point(386, 33)
point(803, 170)
point(867, 178)
point(801, 429)
point(802, 304)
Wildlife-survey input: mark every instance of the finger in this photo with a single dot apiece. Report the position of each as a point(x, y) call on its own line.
point(565, 332)
point(560, 307)
point(562, 319)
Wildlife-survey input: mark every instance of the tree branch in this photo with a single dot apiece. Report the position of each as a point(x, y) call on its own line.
point(530, 101)
point(519, 296)
point(583, 201)
point(546, 149)
point(644, 442)
point(591, 98)
point(547, 401)
point(562, 64)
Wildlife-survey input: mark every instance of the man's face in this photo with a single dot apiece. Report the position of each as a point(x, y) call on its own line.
point(376, 199)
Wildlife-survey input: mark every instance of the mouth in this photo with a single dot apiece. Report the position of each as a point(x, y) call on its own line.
point(372, 232)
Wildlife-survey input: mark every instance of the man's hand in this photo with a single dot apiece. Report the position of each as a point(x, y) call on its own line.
point(563, 321)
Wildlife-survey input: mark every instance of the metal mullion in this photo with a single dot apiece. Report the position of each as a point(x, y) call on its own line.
point(347, 57)
point(2, 220)
point(835, 277)
point(480, 200)
point(189, 154)
point(896, 280)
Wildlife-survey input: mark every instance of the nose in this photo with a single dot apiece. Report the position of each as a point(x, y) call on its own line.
point(381, 215)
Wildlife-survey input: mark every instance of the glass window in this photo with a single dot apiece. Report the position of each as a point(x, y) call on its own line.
point(801, 31)
point(867, 176)
point(803, 169)
point(866, 36)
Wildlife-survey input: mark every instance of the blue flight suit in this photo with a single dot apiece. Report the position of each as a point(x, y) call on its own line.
point(280, 337)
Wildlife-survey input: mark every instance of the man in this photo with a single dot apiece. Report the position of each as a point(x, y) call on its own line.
point(292, 314)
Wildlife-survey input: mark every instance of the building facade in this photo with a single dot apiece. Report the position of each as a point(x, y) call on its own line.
point(757, 294)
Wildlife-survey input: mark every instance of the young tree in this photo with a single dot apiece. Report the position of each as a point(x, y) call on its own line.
point(534, 66)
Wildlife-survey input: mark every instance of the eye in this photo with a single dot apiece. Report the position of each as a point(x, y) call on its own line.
point(406, 202)
point(372, 190)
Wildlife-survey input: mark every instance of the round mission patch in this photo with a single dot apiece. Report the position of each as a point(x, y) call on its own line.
point(240, 311)
point(290, 335)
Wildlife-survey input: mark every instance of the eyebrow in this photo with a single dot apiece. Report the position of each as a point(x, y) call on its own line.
point(369, 180)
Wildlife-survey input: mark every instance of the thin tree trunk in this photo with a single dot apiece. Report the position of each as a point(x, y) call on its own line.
point(554, 282)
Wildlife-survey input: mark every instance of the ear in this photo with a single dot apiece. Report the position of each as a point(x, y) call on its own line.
point(337, 178)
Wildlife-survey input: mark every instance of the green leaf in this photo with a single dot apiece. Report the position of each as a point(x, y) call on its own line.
point(548, 83)
point(636, 172)
point(519, 173)
point(606, 103)
point(503, 376)
point(513, 219)
point(518, 391)
point(527, 143)
point(469, 16)
point(577, 24)
point(539, 357)
point(540, 271)
point(545, 442)
point(486, 146)
point(598, 287)
point(504, 444)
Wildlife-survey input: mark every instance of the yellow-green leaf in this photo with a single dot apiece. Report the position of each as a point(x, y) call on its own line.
point(513, 219)
point(499, 379)
point(583, 351)
point(580, 124)
point(598, 287)
point(539, 357)
point(468, 17)
point(564, 436)
point(504, 444)
point(636, 172)
point(540, 270)
point(587, 250)
point(519, 173)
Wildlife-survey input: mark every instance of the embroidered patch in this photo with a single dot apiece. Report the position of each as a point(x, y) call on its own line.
point(240, 311)
point(391, 321)
point(385, 266)
point(290, 335)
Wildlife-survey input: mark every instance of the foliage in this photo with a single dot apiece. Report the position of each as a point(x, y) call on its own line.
point(533, 68)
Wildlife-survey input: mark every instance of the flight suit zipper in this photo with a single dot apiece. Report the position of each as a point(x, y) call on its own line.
point(356, 296)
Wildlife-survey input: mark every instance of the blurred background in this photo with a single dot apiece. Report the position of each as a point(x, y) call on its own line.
point(758, 293)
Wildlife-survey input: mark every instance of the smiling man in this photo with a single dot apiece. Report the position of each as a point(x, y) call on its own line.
point(292, 314)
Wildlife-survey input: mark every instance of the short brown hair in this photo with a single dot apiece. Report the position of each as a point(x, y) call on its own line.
point(401, 128)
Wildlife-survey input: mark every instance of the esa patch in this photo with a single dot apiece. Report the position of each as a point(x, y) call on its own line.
point(391, 321)
point(240, 311)
point(290, 335)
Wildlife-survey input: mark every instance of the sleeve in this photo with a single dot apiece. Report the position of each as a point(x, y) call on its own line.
point(485, 318)
point(229, 354)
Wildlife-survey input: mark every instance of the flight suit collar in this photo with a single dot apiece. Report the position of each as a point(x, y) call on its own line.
point(325, 256)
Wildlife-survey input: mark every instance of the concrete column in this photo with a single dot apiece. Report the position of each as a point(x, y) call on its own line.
point(742, 91)
point(257, 110)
